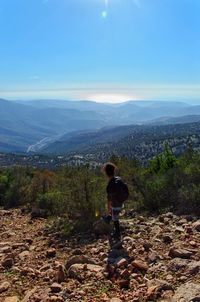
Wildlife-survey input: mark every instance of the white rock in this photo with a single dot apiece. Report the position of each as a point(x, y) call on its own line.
point(4, 286)
point(187, 292)
point(11, 299)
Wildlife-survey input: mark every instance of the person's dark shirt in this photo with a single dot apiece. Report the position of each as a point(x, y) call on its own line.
point(112, 192)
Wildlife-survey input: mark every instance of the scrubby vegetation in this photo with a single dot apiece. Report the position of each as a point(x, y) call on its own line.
point(78, 193)
point(133, 141)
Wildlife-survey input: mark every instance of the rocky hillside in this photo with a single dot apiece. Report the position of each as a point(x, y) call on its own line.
point(159, 260)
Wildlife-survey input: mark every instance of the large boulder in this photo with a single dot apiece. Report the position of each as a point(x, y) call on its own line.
point(75, 270)
point(23, 255)
point(39, 213)
point(4, 286)
point(187, 292)
point(80, 259)
point(180, 253)
point(167, 239)
point(7, 262)
point(156, 287)
point(140, 265)
point(56, 288)
point(193, 268)
point(5, 213)
point(100, 227)
point(196, 225)
point(50, 253)
point(29, 294)
point(177, 264)
point(11, 299)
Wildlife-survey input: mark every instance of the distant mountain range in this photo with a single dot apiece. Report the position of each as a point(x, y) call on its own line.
point(175, 120)
point(23, 125)
point(63, 126)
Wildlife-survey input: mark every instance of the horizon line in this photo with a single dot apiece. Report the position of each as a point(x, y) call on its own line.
point(187, 101)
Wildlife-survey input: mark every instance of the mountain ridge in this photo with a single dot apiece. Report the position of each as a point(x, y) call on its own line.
point(142, 142)
point(30, 122)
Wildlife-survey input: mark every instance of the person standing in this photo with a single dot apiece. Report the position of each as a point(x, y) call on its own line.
point(117, 193)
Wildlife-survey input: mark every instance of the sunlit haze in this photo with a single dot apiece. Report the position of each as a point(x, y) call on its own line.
point(111, 98)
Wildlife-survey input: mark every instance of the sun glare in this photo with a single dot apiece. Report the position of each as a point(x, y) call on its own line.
point(104, 14)
point(111, 98)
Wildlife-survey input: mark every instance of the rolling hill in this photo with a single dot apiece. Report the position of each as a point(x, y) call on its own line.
point(23, 125)
point(136, 141)
point(33, 125)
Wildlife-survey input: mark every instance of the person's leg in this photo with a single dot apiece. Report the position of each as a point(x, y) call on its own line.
point(108, 218)
point(117, 227)
point(115, 218)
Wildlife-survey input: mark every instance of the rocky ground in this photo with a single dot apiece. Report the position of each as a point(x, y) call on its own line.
point(159, 261)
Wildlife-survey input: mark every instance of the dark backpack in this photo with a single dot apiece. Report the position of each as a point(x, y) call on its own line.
point(122, 192)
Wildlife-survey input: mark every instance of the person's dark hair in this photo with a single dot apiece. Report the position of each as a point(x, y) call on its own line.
point(110, 169)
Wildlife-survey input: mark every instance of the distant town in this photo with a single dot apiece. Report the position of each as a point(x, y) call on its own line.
point(45, 162)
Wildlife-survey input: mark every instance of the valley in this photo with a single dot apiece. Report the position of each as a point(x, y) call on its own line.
point(94, 131)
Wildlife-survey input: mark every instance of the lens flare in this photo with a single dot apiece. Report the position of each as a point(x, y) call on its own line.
point(97, 213)
point(104, 13)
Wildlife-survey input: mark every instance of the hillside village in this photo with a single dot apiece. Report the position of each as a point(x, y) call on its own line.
point(45, 162)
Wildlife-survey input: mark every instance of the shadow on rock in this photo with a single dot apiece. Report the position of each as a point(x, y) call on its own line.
point(118, 262)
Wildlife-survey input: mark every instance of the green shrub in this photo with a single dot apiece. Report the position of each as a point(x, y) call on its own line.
point(189, 199)
point(78, 194)
point(51, 201)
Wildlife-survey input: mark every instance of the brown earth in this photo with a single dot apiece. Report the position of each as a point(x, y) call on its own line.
point(159, 261)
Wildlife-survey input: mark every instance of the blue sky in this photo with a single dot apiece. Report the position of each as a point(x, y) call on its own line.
point(96, 49)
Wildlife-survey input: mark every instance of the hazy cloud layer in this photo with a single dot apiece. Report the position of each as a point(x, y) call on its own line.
point(103, 92)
